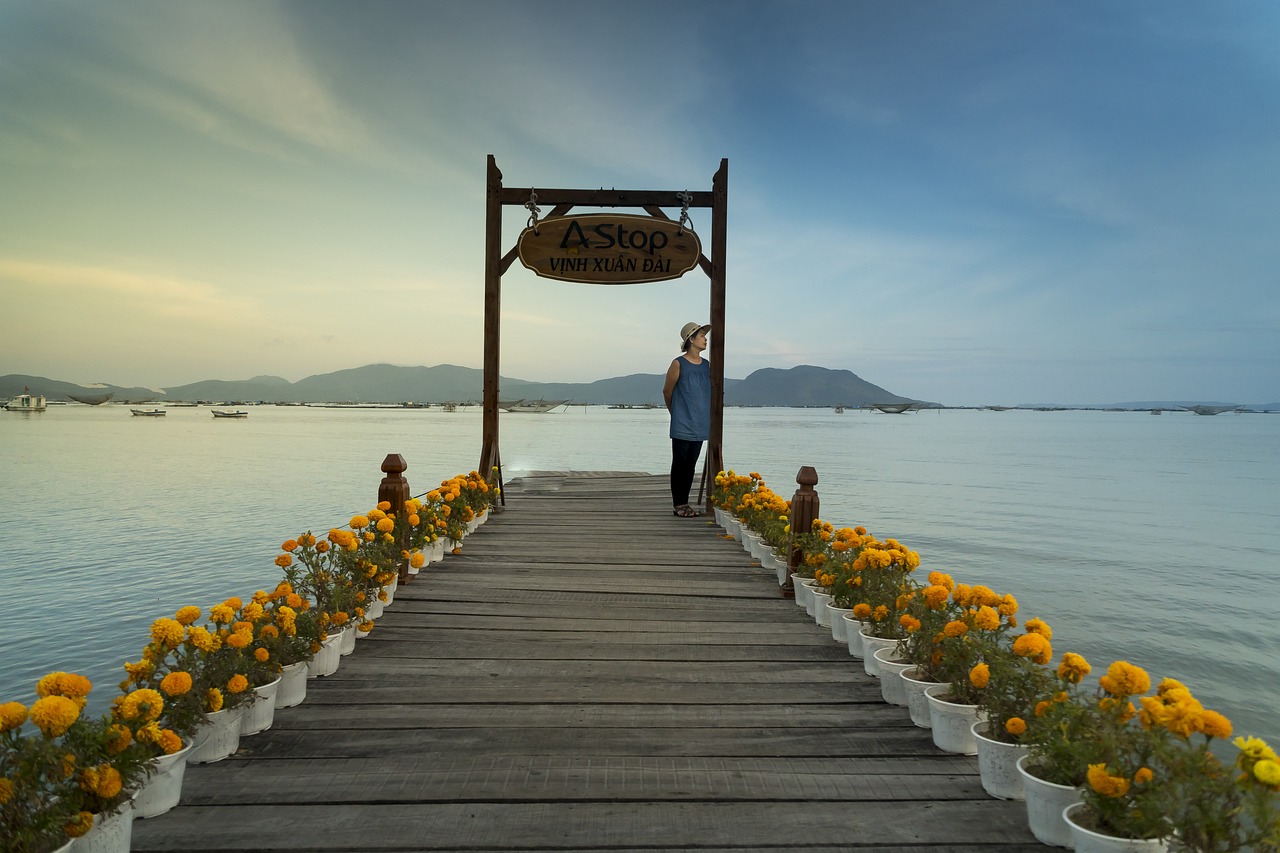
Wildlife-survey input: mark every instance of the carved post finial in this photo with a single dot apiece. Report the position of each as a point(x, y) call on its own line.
point(804, 511)
point(394, 489)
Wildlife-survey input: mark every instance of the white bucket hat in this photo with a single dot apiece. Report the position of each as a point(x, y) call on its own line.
point(691, 329)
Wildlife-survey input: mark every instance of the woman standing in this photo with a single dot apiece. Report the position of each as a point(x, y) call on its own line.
point(687, 393)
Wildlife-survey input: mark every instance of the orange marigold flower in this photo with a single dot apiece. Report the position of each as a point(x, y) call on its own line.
point(176, 683)
point(980, 675)
point(237, 684)
point(1015, 726)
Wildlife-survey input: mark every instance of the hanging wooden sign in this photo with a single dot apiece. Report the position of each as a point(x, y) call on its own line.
point(609, 248)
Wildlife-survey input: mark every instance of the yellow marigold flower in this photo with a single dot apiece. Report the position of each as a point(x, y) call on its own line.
point(187, 615)
point(144, 705)
point(118, 739)
point(83, 823)
point(935, 596)
point(239, 640)
point(237, 684)
point(68, 684)
point(1015, 726)
point(386, 525)
point(213, 700)
point(289, 545)
point(359, 522)
point(980, 675)
point(1043, 707)
point(385, 506)
point(1039, 626)
point(202, 639)
point(955, 628)
point(417, 559)
point(986, 619)
point(261, 655)
point(1008, 605)
point(234, 602)
point(12, 715)
point(322, 547)
point(1125, 679)
point(68, 766)
point(1032, 646)
point(284, 561)
point(1267, 772)
point(269, 632)
point(103, 781)
point(1073, 667)
point(169, 741)
point(6, 790)
point(880, 612)
point(222, 614)
point(167, 632)
point(1106, 784)
point(1255, 749)
point(53, 715)
point(1143, 776)
point(911, 623)
point(365, 626)
point(861, 610)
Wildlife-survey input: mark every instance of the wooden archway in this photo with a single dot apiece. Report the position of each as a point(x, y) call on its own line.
point(564, 200)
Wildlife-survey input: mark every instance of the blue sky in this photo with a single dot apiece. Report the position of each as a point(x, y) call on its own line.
point(967, 202)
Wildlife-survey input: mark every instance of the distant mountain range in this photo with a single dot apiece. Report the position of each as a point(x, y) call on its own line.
point(384, 383)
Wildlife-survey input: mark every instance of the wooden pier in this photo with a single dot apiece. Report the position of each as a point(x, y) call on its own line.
point(592, 673)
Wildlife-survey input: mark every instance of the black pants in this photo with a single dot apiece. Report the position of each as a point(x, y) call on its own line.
point(684, 459)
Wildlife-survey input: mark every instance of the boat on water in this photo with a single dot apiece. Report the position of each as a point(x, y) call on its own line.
point(1210, 410)
point(893, 408)
point(148, 413)
point(221, 414)
point(537, 407)
point(27, 402)
point(93, 399)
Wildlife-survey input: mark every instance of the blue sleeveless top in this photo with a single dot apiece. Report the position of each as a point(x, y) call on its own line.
point(691, 401)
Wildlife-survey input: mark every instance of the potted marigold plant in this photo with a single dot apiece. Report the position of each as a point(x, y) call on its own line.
point(76, 772)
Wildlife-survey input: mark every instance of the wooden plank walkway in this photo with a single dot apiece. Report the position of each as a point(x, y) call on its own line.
point(591, 673)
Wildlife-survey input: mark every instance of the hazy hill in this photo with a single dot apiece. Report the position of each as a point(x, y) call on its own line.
point(384, 383)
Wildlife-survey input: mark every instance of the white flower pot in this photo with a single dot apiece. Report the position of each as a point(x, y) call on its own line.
point(835, 616)
point(259, 716)
point(952, 723)
point(820, 613)
point(870, 645)
point(998, 764)
point(293, 685)
point(917, 702)
point(1045, 804)
point(111, 833)
point(217, 738)
point(802, 591)
point(162, 790)
point(325, 661)
point(347, 644)
point(1088, 841)
point(891, 686)
point(853, 635)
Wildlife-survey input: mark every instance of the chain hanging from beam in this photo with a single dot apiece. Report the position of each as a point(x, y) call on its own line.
point(534, 210)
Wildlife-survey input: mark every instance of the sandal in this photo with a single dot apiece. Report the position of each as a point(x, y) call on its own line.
point(685, 511)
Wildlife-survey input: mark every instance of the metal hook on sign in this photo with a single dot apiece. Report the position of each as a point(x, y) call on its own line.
point(534, 210)
point(685, 198)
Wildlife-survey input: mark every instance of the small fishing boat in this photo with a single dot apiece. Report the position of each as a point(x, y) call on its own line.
point(148, 413)
point(1210, 410)
point(220, 414)
point(27, 402)
point(531, 407)
point(92, 399)
point(892, 408)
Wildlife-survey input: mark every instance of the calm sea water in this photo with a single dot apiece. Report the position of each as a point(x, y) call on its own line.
point(1150, 539)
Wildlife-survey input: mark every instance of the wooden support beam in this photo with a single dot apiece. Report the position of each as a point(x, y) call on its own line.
point(608, 198)
point(492, 315)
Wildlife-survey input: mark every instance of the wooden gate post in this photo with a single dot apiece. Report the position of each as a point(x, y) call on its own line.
point(394, 489)
point(804, 511)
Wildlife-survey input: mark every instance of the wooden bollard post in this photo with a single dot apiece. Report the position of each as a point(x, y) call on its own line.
point(394, 489)
point(804, 511)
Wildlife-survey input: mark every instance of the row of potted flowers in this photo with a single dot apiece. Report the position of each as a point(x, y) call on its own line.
point(1118, 759)
point(205, 678)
